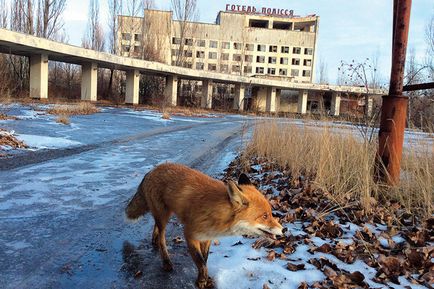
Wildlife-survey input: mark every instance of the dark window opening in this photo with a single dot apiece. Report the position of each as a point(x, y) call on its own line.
point(282, 25)
point(258, 23)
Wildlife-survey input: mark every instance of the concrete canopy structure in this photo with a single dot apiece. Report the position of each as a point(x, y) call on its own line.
point(42, 50)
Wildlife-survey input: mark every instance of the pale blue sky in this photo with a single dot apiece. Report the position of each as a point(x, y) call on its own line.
point(349, 29)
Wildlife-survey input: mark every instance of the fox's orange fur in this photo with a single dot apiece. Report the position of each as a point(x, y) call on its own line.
point(206, 207)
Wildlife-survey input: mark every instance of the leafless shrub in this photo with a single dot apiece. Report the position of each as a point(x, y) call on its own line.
point(63, 119)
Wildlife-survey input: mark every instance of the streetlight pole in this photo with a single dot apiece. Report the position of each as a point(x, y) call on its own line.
point(394, 107)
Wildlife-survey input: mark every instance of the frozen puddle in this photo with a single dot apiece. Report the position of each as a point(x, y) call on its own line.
point(46, 142)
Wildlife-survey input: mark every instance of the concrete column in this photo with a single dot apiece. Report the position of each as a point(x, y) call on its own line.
point(336, 104)
point(39, 76)
point(171, 90)
point(89, 73)
point(132, 89)
point(239, 97)
point(302, 101)
point(206, 101)
point(271, 100)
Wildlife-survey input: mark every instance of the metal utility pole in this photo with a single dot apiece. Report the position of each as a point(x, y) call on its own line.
point(394, 107)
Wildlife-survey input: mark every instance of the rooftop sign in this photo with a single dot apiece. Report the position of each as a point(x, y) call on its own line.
point(262, 11)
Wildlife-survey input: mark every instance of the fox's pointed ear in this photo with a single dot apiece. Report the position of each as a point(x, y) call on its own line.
point(244, 180)
point(236, 196)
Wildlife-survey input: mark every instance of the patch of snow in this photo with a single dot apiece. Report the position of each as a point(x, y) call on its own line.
point(44, 142)
point(18, 245)
point(230, 267)
point(398, 239)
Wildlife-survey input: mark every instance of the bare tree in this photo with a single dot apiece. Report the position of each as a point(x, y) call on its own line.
point(185, 11)
point(49, 21)
point(94, 36)
point(375, 79)
point(3, 14)
point(429, 35)
point(322, 72)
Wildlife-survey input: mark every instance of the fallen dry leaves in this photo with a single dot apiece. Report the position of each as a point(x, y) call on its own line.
point(394, 242)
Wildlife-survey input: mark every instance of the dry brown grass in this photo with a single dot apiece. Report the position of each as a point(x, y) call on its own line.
point(343, 166)
point(63, 119)
point(8, 139)
point(165, 115)
point(82, 108)
point(4, 116)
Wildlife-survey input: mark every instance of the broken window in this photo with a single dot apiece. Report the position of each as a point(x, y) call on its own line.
point(285, 49)
point(283, 71)
point(262, 47)
point(294, 72)
point(226, 45)
point(201, 43)
point(126, 36)
point(306, 73)
point(307, 62)
point(212, 55)
point(260, 70)
point(295, 61)
point(200, 54)
point(272, 71)
point(282, 25)
point(284, 60)
point(236, 68)
point(212, 67)
point(308, 51)
point(236, 57)
point(272, 60)
point(273, 48)
point(260, 59)
point(247, 69)
point(225, 56)
point(296, 50)
point(213, 44)
point(258, 23)
point(200, 65)
point(176, 40)
point(237, 46)
point(250, 47)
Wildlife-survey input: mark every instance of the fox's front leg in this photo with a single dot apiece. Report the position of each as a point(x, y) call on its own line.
point(194, 247)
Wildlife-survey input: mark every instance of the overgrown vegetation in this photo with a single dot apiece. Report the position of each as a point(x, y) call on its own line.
point(63, 119)
point(342, 166)
point(82, 108)
point(8, 139)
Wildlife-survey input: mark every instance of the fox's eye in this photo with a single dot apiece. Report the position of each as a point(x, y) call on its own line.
point(265, 216)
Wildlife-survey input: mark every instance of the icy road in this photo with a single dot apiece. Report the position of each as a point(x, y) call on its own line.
point(62, 201)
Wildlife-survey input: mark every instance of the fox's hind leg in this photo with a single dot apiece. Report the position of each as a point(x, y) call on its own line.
point(160, 225)
point(155, 234)
point(204, 248)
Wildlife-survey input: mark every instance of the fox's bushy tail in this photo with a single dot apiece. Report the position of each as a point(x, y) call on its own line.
point(137, 207)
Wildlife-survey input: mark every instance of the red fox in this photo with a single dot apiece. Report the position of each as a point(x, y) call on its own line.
point(206, 207)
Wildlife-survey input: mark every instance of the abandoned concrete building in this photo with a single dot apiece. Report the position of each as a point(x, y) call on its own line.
point(248, 44)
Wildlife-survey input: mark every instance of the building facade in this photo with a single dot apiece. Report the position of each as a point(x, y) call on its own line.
point(237, 43)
